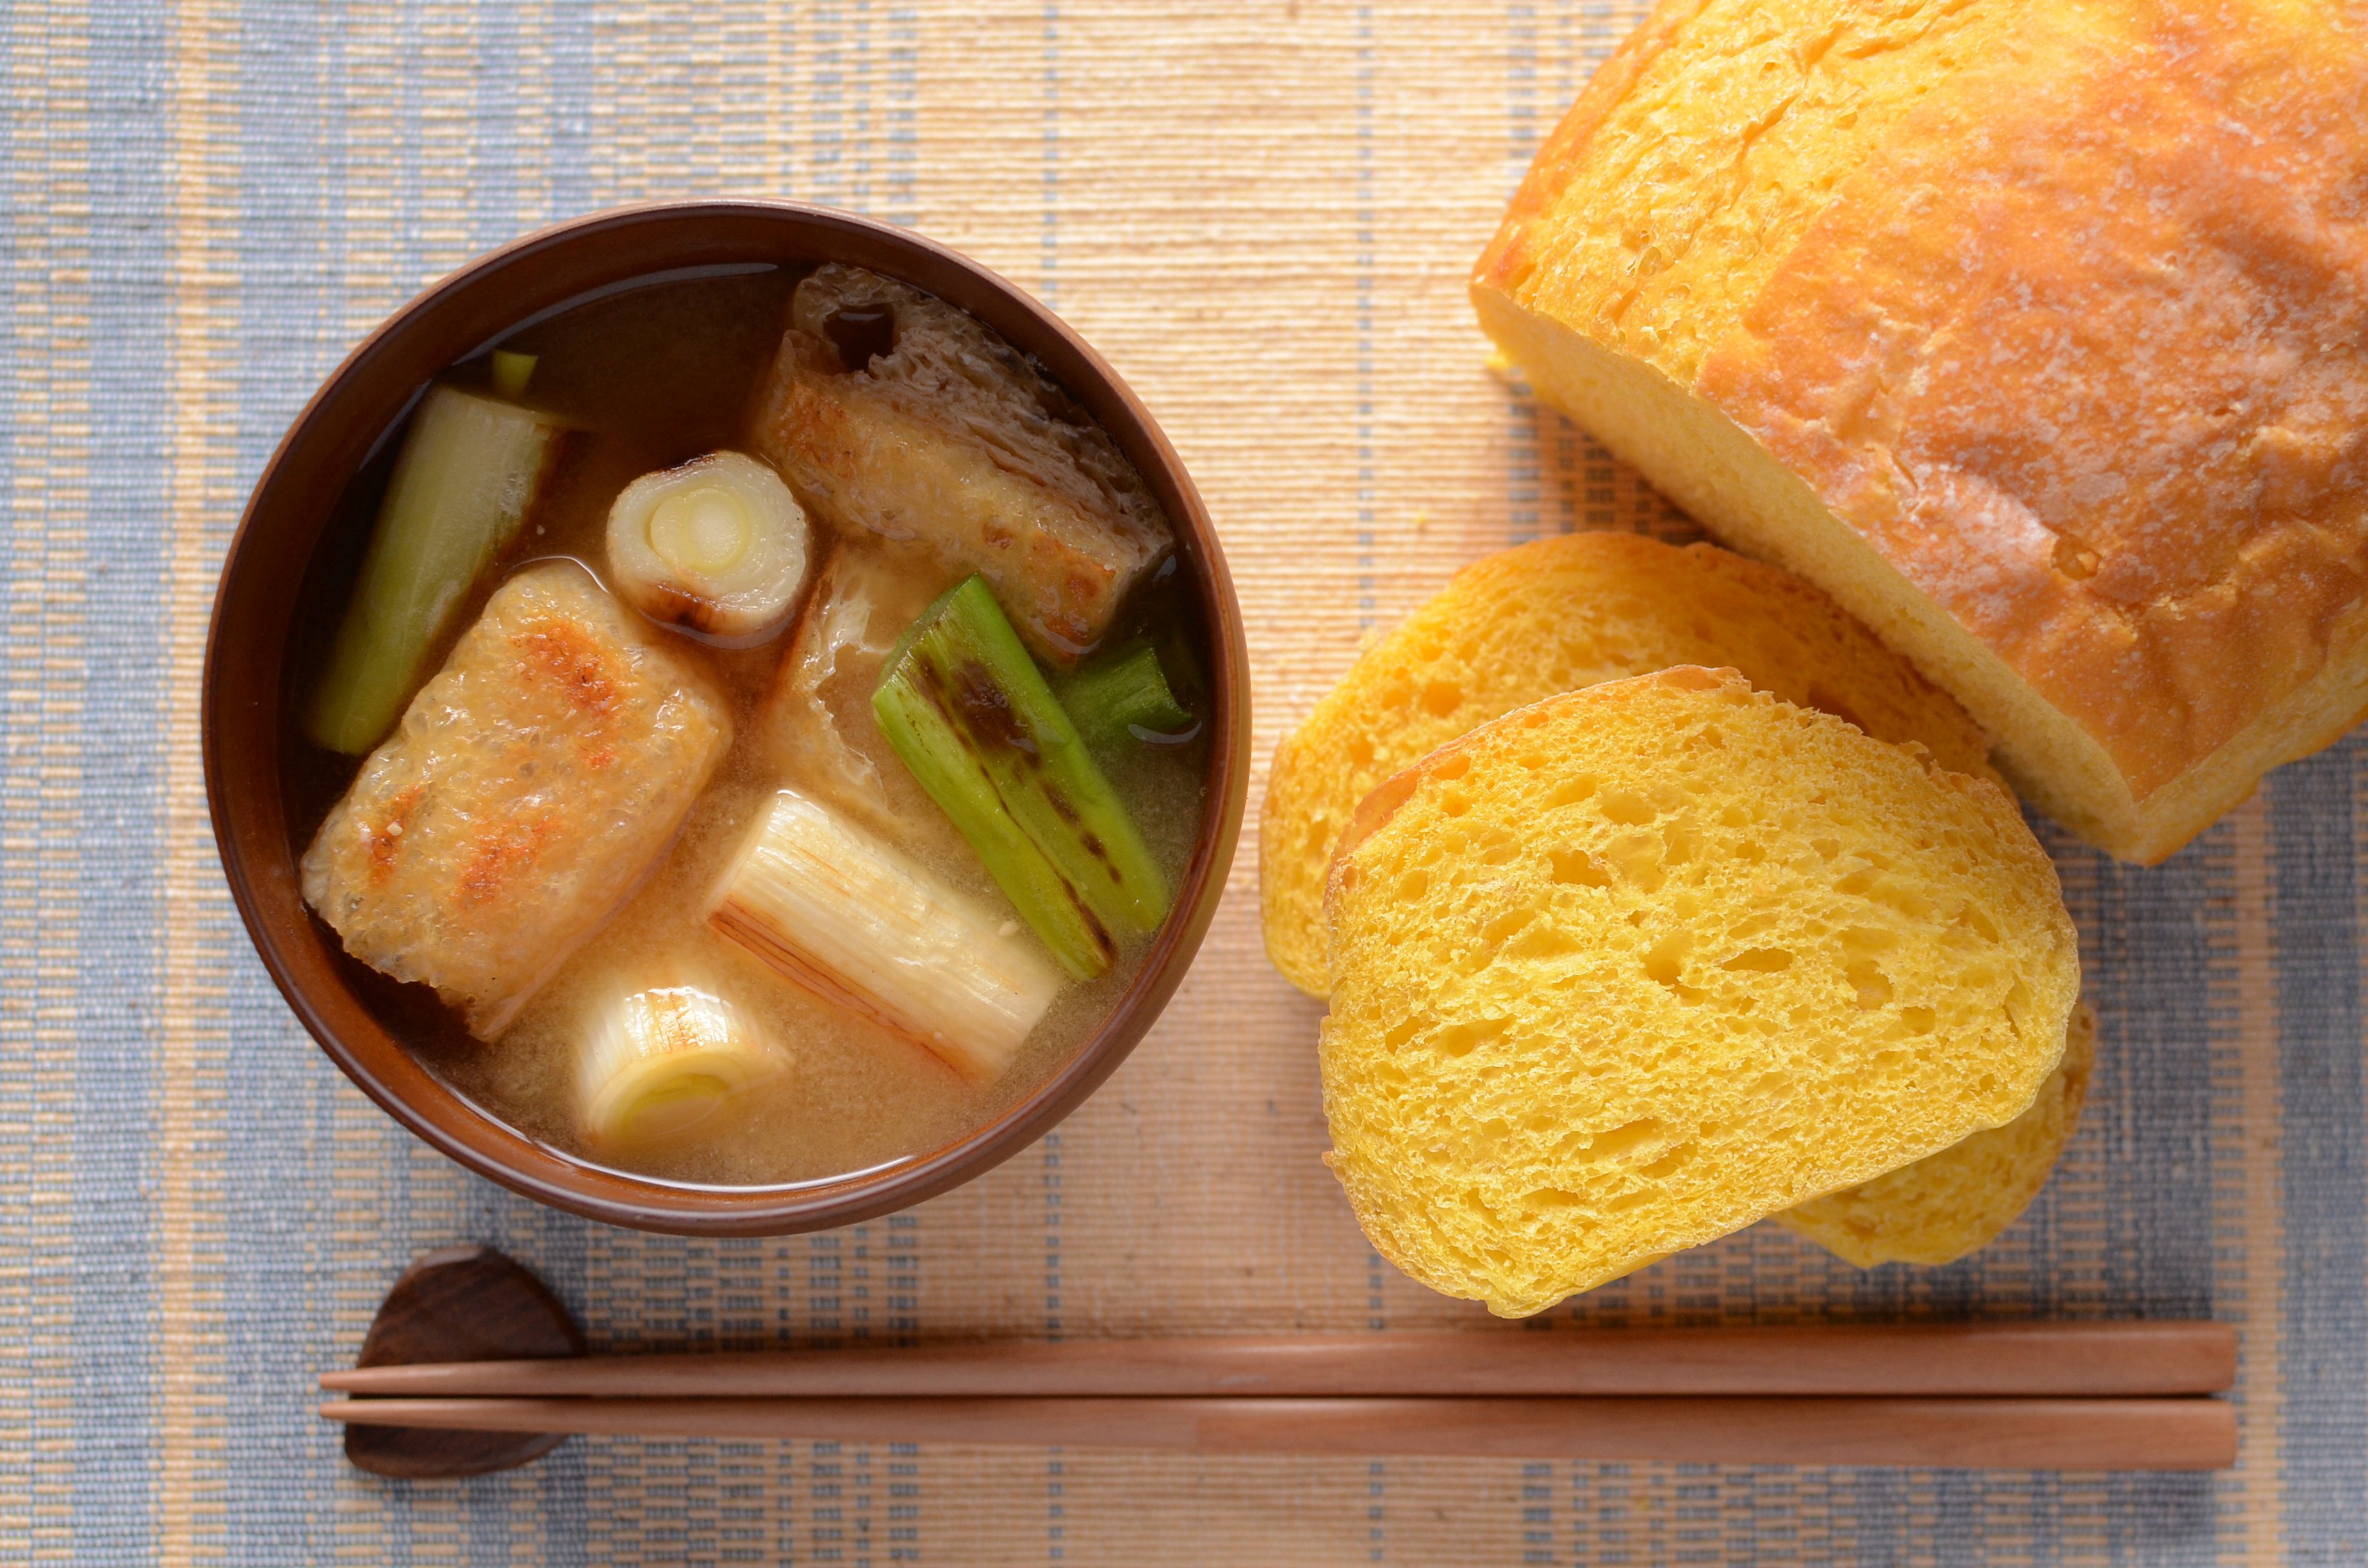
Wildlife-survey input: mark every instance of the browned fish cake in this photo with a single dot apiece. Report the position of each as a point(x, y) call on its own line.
point(530, 787)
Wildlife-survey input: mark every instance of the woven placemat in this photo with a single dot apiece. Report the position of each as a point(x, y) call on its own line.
point(1263, 216)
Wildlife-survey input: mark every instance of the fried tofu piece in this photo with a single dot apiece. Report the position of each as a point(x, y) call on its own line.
point(815, 725)
point(944, 435)
point(530, 786)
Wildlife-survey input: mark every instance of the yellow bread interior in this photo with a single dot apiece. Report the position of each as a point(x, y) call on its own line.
point(1552, 616)
point(1957, 1201)
point(1634, 967)
point(2029, 333)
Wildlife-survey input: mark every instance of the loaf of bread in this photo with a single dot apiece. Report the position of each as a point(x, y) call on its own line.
point(1551, 616)
point(1949, 1204)
point(1634, 967)
point(2035, 333)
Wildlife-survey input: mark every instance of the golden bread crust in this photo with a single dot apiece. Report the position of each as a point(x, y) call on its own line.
point(1512, 255)
point(2064, 314)
point(2119, 435)
point(1658, 209)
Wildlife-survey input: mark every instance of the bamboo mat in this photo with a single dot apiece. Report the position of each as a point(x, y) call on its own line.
point(1262, 215)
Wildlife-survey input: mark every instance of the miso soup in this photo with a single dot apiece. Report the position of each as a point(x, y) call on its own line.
point(746, 728)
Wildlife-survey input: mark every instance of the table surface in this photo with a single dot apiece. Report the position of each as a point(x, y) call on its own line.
point(1262, 215)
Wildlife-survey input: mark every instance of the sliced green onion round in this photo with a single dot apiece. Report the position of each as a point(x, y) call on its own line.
point(716, 548)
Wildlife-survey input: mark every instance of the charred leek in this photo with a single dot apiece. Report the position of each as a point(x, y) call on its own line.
point(664, 1056)
point(856, 924)
point(468, 472)
point(969, 714)
point(1124, 695)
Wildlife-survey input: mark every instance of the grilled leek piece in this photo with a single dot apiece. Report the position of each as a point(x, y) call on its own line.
point(864, 928)
point(717, 548)
point(971, 715)
point(470, 470)
point(1124, 695)
point(665, 1054)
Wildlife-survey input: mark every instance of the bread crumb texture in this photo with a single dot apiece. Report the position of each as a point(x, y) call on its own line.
point(1554, 616)
point(1631, 968)
point(1956, 1202)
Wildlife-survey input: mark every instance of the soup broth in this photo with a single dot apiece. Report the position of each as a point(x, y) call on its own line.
point(646, 379)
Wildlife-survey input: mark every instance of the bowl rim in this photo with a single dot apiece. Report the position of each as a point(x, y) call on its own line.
point(294, 951)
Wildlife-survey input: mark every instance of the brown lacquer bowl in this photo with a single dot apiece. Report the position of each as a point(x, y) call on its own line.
point(255, 619)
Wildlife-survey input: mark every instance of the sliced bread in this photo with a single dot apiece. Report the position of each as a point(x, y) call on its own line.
point(1635, 966)
point(1957, 1201)
point(1554, 616)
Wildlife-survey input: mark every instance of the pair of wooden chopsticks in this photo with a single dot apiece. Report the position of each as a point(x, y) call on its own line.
point(2026, 1395)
